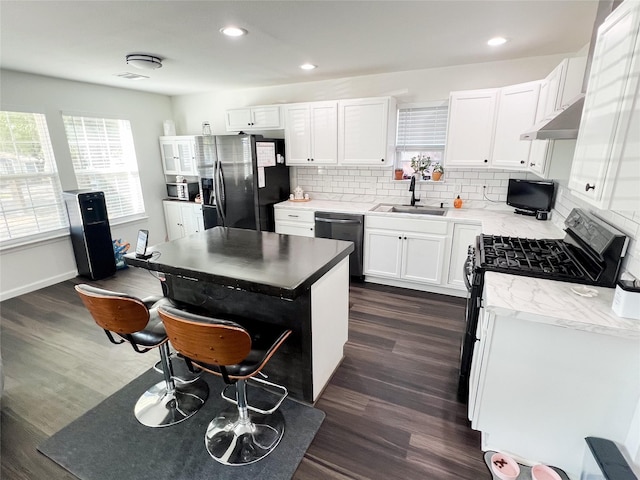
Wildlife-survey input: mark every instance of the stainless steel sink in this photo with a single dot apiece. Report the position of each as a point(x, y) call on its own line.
point(417, 209)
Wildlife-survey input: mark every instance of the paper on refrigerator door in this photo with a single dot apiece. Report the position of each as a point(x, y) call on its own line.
point(266, 154)
point(261, 181)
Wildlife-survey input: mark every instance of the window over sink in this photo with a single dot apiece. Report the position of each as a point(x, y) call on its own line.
point(422, 133)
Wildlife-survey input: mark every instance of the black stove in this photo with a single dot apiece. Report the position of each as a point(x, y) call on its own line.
point(590, 253)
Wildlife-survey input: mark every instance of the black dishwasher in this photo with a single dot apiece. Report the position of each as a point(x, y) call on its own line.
point(343, 226)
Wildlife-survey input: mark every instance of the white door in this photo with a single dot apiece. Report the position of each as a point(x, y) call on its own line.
point(186, 157)
point(170, 163)
point(516, 113)
point(605, 101)
point(382, 253)
point(470, 129)
point(324, 132)
point(423, 257)
point(362, 131)
point(298, 134)
point(266, 117)
point(190, 223)
point(463, 237)
point(173, 220)
point(238, 119)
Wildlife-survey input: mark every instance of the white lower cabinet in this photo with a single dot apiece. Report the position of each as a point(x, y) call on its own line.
point(293, 221)
point(405, 249)
point(464, 235)
point(537, 389)
point(182, 218)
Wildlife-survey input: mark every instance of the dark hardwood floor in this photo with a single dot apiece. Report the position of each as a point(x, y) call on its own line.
point(391, 407)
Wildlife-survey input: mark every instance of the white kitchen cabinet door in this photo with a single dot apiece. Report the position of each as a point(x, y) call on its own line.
point(324, 132)
point(464, 235)
point(173, 219)
point(517, 107)
point(178, 155)
point(383, 253)
point(191, 218)
point(363, 132)
point(605, 166)
point(423, 257)
point(470, 130)
point(253, 118)
point(311, 133)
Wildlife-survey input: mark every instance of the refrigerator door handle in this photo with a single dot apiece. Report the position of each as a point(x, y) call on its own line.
point(218, 188)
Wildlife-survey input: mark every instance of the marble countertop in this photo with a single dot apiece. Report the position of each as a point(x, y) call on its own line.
point(555, 303)
point(497, 220)
point(261, 262)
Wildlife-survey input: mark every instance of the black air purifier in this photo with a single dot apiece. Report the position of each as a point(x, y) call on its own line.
point(90, 233)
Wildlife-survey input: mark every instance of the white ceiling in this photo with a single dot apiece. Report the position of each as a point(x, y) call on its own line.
point(88, 40)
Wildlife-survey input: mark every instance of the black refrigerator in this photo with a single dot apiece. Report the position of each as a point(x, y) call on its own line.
point(248, 176)
point(90, 233)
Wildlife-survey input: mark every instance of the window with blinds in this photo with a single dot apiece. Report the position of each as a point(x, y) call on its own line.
point(31, 204)
point(104, 160)
point(422, 131)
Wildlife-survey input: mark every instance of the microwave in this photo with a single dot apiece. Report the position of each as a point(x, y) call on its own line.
point(183, 191)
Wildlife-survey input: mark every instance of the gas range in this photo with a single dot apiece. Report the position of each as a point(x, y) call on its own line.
point(590, 253)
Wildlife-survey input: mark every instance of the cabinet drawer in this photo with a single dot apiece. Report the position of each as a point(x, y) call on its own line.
point(295, 215)
point(419, 225)
point(301, 229)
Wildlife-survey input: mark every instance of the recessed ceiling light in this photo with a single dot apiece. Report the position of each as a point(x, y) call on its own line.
point(308, 66)
point(233, 31)
point(497, 41)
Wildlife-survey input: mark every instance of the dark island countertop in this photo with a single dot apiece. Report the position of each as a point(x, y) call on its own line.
point(261, 262)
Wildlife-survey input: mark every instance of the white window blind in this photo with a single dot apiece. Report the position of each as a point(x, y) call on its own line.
point(422, 128)
point(30, 194)
point(104, 160)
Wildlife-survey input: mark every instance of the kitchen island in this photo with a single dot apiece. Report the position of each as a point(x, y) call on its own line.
point(262, 279)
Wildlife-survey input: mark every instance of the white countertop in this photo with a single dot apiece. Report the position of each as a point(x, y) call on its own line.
point(494, 221)
point(554, 303)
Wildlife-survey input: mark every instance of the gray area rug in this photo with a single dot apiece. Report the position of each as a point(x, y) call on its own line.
point(108, 443)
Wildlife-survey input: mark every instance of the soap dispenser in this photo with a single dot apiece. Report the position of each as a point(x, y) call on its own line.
point(457, 202)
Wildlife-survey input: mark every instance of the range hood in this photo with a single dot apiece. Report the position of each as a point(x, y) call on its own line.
point(565, 123)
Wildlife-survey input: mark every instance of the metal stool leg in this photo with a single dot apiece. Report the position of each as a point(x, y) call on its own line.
point(239, 436)
point(165, 403)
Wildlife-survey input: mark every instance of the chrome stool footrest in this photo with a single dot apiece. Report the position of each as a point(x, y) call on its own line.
point(264, 389)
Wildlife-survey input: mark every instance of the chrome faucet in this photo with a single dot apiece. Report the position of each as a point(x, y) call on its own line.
point(412, 189)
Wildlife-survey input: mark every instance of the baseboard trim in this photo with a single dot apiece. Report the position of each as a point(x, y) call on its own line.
point(416, 286)
point(31, 287)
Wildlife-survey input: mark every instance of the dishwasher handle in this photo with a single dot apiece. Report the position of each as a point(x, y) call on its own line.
point(338, 220)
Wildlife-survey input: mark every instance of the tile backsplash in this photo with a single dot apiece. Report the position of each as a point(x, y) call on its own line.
point(476, 187)
point(376, 185)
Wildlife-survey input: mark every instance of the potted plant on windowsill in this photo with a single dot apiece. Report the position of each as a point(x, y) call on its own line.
point(437, 172)
point(420, 164)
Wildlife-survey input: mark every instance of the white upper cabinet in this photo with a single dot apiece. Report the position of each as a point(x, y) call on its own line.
point(605, 170)
point(517, 105)
point(311, 133)
point(178, 155)
point(562, 85)
point(471, 127)
point(253, 118)
point(366, 131)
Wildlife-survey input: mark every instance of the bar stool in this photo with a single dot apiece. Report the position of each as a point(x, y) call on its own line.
point(245, 434)
point(136, 321)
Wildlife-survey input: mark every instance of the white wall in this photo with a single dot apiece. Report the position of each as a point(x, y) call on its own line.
point(27, 268)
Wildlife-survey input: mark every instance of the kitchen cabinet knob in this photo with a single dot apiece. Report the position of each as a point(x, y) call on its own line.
point(308, 159)
point(382, 159)
point(405, 238)
point(399, 238)
point(588, 187)
point(521, 162)
point(532, 164)
point(486, 161)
